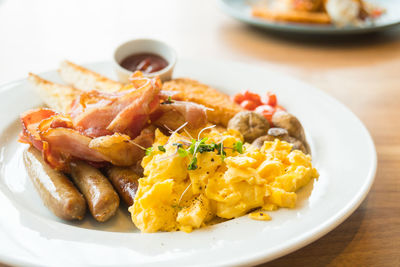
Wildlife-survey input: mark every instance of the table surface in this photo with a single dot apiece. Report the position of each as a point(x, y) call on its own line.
point(363, 72)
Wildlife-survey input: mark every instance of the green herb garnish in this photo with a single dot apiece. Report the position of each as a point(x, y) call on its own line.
point(238, 146)
point(149, 150)
point(220, 150)
point(168, 101)
point(193, 164)
point(162, 148)
point(182, 152)
point(179, 145)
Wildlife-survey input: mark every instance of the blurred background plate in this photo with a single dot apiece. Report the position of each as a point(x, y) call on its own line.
point(241, 10)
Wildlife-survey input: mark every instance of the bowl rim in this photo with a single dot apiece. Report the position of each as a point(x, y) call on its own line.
point(171, 63)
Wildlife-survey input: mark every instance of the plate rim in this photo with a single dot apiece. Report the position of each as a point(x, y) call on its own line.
point(301, 240)
point(292, 27)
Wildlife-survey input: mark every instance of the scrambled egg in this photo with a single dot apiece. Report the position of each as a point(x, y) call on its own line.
point(170, 197)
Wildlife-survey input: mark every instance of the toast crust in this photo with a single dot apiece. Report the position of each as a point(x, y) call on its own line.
point(56, 96)
point(86, 80)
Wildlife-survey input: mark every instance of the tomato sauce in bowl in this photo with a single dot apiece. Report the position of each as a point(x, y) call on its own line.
point(144, 62)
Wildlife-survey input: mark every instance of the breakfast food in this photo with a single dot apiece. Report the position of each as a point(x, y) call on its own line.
point(227, 180)
point(338, 12)
point(181, 155)
point(56, 190)
point(101, 197)
point(86, 80)
point(55, 96)
point(286, 126)
point(221, 108)
point(250, 124)
point(125, 181)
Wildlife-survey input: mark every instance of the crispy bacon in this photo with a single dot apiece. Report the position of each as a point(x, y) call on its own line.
point(97, 114)
point(30, 121)
point(63, 144)
point(60, 143)
point(176, 113)
point(107, 127)
point(53, 134)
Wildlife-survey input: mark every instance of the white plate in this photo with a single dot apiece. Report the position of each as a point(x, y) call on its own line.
point(343, 153)
point(241, 10)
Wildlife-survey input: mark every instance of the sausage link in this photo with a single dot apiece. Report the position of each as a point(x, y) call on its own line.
point(56, 191)
point(101, 197)
point(125, 181)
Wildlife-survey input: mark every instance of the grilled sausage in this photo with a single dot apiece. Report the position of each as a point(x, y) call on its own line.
point(125, 181)
point(57, 192)
point(101, 197)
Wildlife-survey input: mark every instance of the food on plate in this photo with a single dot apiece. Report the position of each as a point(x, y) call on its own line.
point(283, 135)
point(221, 108)
point(266, 106)
point(289, 122)
point(189, 182)
point(250, 124)
point(352, 12)
point(175, 113)
point(86, 80)
point(286, 127)
point(125, 181)
point(55, 96)
point(100, 195)
point(181, 154)
point(55, 189)
point(279, 11)
point(144, 62)
point(338, 12)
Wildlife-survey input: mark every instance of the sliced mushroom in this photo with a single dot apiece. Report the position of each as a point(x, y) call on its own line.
point(287, 121)
point(250, 124)
point(281, 134)
point(278, 132)
point(259, 142)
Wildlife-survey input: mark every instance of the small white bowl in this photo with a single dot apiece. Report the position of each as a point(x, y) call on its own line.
point(139, 46)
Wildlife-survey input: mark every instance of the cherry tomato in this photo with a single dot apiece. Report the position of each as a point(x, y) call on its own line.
point(252, 97)
point(267, 111)
point(248, 104)
point(238, 98)
point(270, 99)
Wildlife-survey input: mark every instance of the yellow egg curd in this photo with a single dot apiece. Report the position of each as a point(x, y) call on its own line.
point(182, 190)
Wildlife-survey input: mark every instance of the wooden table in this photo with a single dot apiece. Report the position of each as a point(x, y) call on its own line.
point(363, 72)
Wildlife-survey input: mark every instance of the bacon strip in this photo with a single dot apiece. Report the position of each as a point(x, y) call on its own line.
point(107, 127)
point(97, 114)
point(176, 113)
point(30, 121)
point(54, 135)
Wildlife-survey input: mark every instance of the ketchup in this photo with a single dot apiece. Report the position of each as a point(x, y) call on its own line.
point(145, 62)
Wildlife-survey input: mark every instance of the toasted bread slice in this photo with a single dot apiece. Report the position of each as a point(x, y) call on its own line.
point(86, 80)
point(223, 108)
point(291, 15)
point(56, 96)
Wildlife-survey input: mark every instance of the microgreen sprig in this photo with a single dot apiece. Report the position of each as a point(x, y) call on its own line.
point(197, 146)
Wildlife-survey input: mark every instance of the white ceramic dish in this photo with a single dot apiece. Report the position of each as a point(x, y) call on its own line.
point(138, 46)
point(346, 160)
point(241, 10)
